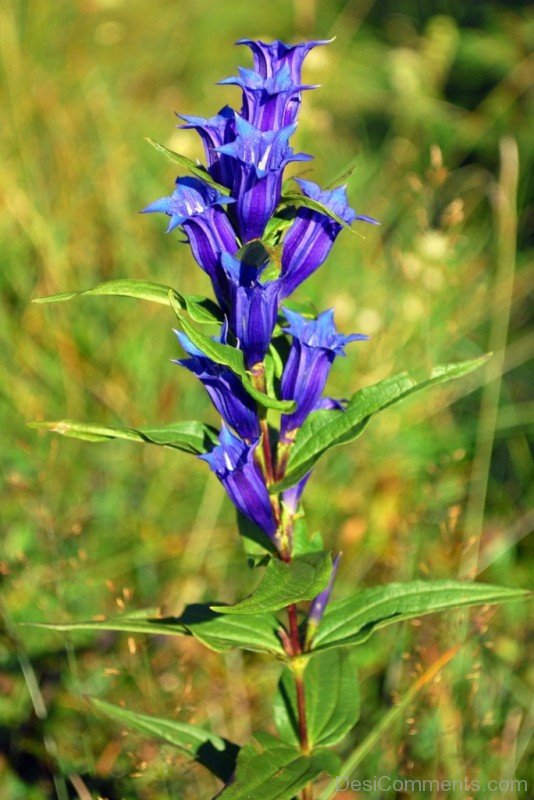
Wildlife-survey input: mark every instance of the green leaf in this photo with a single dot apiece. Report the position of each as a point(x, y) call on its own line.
point(191, 437)
point(284, 406)
point(271, 770)
point(282, 584)
point(326, 429)
point(201, 309)
point(277, 225)
point(353, 620)
point(303, 541)
point(296, 199)
point(230, 357)
point(219, 632)
point(195, 169)
point(332, 699)
point(216, 754)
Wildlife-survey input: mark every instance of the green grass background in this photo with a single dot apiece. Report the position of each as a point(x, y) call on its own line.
point(431, 101)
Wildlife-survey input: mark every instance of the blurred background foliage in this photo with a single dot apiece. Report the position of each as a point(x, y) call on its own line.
point(430, 100)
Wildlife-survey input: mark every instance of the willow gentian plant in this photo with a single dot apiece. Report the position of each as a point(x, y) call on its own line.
point(264, 359)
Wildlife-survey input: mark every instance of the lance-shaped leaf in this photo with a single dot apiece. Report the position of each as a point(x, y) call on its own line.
point(271, 770)
point(230, 357)
point(353, 620)
point(216, 754)
point(200, 309)
point(189, 436)
point(283, 584)
point(326, 429)
point(191, 166)
point(332, 699)
point(219, 632)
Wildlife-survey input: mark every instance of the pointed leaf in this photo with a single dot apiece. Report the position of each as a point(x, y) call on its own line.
point(353, 620)
point(219, 632)
point(332, 699)
point(216, 754)
point(282, 584)
point(326, 429)
point(195, 169)
point(272, 770)
point(191, 437)
point(201, 309)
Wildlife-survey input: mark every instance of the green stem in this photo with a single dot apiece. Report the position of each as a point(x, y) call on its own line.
point(296, 650)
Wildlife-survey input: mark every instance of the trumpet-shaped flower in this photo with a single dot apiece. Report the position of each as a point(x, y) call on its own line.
point(269, 103)
point(234, 404)
point(270, 57)
point(316, 343)
point(312, 234)
point(252, 308)
point(260, 158)
point(196, 207)
point(232, 460)
point(214, 132)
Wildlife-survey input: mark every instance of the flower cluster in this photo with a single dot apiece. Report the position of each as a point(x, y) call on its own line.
point(238, 205)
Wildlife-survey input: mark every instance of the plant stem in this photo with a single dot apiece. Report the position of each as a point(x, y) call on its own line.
point(296, 650)
point(267, 453)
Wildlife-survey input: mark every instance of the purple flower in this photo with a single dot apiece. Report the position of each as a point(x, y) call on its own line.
point(319, 604)
point(225, 390)
point(252, 308)
point(269, 103)
point(291, 497)
point(260, 158)
point(196, 207)
point(316, 343)
point(233, 462)
point(311, 236)
point(270, 57)
point(214, 132)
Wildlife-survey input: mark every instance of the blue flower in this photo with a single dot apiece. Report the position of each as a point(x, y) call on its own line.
point(311, 236)
point(232, 460)
point(196, 207)
point(320, 602)
point(234, 404)
point(260, 158)
point(214, 132)
point(291, 497)
point(252, 308)
point(269, 103)
point(270, 57)
point(316, 343)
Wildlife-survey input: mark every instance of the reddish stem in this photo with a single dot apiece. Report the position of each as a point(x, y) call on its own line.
point(267, 452)
point(296, 650)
